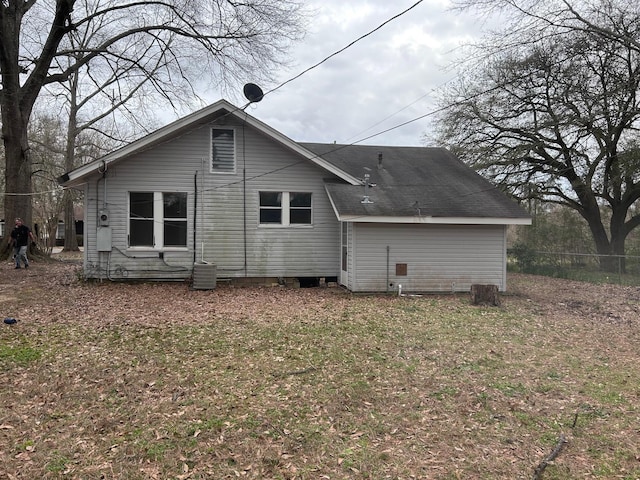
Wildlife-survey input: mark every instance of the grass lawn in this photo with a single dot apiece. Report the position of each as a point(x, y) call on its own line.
point(156, 381)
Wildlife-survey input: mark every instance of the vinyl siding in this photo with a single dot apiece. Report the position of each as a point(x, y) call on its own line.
point(347, 281)
point(439, 258)
point(222, 204)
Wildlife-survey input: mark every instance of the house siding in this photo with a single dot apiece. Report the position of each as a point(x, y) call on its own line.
point(219, 207)
point(439, 258)
point(347, 280)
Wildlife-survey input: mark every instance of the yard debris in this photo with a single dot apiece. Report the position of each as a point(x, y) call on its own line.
point(537, 474)
point(295, 372)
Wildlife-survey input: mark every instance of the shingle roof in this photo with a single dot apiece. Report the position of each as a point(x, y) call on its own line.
point(413, 182)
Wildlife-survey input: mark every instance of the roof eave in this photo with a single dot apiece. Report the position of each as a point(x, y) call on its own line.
point(434, 220)
point(299, 149)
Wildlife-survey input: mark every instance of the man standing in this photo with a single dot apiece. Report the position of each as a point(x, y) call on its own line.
point(20, 236)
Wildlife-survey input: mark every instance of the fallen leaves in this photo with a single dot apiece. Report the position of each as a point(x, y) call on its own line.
point(159, 381)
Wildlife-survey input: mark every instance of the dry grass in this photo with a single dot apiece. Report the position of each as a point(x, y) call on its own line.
point(158, 381)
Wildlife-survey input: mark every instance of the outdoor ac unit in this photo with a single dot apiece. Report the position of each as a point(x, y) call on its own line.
point(204, 276)
point(103, 218)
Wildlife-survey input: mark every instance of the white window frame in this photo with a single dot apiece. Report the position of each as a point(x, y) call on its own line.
point(285, 207)
point(158, 224)
point(217, 171)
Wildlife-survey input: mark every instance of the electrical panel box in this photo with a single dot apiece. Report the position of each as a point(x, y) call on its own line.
point(103, 239)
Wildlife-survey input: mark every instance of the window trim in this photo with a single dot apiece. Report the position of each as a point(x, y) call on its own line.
point(285, 208)
point(158, 223)
point(235, 152)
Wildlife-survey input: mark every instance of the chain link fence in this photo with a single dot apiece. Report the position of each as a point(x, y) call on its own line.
point(594, 268)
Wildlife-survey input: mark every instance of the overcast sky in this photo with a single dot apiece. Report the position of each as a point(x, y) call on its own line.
point(384, 80)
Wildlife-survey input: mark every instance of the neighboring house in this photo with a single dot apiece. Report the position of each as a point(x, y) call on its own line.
point(220, 187)
point(78, 215)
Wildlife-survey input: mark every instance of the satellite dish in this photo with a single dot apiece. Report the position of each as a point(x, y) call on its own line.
point(253, 92)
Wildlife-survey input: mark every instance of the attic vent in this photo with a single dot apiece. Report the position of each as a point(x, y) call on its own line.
point(222, 150)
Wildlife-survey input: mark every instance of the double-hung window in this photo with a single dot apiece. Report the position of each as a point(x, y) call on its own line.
point(157, 219)
point(223, 150)
point(285, 208)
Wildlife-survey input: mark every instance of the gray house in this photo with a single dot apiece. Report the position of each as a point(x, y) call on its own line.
point(221, 191)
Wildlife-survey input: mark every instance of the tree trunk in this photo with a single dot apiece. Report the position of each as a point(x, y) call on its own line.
point(605, 248)
point(611, 249)
point(619, 231)
point(17, 203)
point(70, 237)
point(17, 172)
point(15, 117)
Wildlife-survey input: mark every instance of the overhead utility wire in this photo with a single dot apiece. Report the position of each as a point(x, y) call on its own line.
point(433, 112)
point(389, 116)
point(340, 147)
point(346, 47)
point(292, 78)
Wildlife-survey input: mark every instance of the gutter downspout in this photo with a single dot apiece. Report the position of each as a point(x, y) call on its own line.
point(244, 196)
point(195, 212)
point(104, 206)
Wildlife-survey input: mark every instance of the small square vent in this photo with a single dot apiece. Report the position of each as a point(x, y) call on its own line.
point(401, 269)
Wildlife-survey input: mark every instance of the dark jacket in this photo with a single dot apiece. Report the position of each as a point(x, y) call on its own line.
point(21, 235)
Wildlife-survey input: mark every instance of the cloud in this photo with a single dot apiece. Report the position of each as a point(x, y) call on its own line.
point(386, 79)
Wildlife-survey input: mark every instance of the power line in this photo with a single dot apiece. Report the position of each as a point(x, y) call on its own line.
point(345, 47)
point(31, 194)
point(338, 147)
point(389, 20)
point(389, 116)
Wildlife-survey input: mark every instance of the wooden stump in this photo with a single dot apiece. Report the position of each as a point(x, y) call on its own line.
point(485, 295)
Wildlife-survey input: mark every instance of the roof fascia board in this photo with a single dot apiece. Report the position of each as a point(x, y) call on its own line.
point(434, 220)
point(296, 147)
point(333, 205)
point(142, 143)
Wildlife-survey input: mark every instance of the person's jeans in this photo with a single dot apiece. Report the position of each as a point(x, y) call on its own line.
point(20, 253)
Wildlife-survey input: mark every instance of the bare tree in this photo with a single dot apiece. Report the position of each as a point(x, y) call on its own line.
point(216, 39)
point(553, 112)
point(101, 97)
point(47, 157)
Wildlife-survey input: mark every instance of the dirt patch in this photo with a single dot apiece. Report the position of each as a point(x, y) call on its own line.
point(7, 298)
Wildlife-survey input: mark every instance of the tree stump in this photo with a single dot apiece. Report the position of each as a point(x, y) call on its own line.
point(485, 295)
